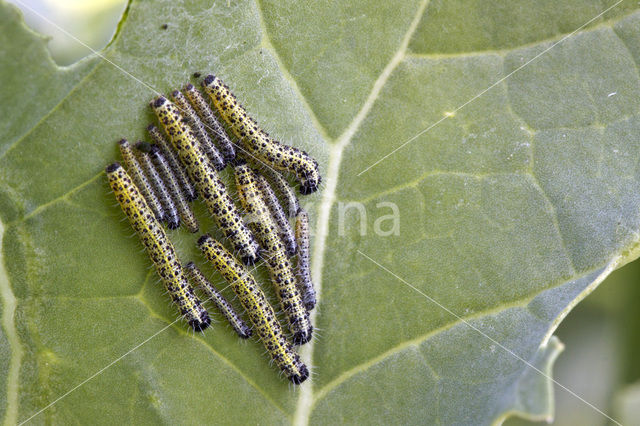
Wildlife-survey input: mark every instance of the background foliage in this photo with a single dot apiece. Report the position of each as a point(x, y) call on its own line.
point(511, 210)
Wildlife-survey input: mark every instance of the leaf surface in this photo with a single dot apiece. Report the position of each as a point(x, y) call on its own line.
point(516, 200)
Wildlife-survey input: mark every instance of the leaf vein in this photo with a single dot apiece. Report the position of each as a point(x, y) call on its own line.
point(23, 137)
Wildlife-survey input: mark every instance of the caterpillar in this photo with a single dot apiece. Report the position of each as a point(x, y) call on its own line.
point(258, 307)
point(206, 179)
point(278, 215)
point(186, 214)
point(206, 114)
point(176, 166)
point(158, 246)
point(201, 133)
point(275, 256)
point(170, 210)
point(218, 299)
point(258, 142)
point(290, 201)
point(304, 270)
point(140, 179)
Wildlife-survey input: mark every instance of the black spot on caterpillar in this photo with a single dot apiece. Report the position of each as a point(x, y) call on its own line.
point(158, 246)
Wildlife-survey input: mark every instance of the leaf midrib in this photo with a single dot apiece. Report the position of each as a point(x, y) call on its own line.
point(306, 399)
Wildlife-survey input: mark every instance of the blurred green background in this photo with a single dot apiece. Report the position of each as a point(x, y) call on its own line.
point(602, 334)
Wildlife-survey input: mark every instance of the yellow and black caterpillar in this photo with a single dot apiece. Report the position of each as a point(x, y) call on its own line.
point(219, 300)
point(198, 129)
point(279, 216)
point(304, 268)
point(258, 307)
point(140, 179)
point(170, 154)
point(213, 125)
point(170, 210)
point(274, 253)
point(258, 142)
point(209, 185)
point(175, 192)
point(158, 246)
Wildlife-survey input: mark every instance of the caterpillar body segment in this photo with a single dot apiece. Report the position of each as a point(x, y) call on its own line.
point(176, 194)
point(170, 211)
point(289, 200)
point(140, 179)
point(211, 121)
point(198, 128)
point(305, 283)
point(170, 154)
point(223, 305)
point(279, 216)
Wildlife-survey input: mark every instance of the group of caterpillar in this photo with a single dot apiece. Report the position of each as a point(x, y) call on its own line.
point(169, 174)
point(276, 259)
